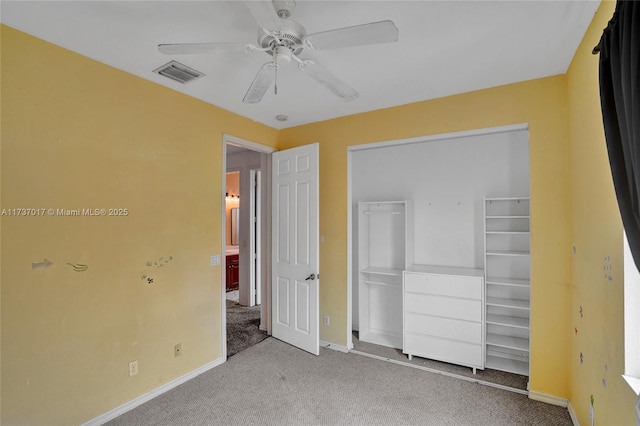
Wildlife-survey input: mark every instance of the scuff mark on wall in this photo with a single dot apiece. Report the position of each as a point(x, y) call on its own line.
point(160, 262)
point(42, 265)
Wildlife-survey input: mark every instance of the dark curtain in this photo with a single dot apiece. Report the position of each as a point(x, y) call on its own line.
point(620, 100)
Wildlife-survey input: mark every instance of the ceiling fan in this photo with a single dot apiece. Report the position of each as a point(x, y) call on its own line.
point(285, 40)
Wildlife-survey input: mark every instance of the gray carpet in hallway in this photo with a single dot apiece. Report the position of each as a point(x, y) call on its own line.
point(273, 383)
point(243, 327)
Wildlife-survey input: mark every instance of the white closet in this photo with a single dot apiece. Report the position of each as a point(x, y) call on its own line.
point(385, 249)
point(507, 280)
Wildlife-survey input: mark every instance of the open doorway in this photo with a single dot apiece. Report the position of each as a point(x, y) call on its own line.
point(246, 239)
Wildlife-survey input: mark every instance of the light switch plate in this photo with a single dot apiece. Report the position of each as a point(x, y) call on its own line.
point(215, 260)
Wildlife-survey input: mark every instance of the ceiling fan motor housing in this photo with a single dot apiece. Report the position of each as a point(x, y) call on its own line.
point(290, 36)
point(284, 8)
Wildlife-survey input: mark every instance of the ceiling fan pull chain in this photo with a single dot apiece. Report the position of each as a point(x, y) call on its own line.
point(275, 84)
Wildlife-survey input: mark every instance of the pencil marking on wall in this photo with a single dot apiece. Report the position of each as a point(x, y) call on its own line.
point(42, 265)
point(607, 267)
point(78, 267)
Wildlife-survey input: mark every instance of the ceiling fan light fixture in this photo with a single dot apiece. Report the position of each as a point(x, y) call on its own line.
point(283, 55)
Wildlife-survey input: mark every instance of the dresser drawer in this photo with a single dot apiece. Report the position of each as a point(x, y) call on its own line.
point(443, 350)
point(440, 306)
point(452, 329)
point(444, 285)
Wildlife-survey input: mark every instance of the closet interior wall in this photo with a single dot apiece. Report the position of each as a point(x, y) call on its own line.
point(446, 181)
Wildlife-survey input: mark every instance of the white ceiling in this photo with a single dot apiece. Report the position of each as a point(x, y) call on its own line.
point(444, 47)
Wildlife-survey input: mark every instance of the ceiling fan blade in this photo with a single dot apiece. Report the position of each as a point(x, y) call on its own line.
point(260, 84)
point(358, 35)
point(190, 48)
point(265, 15)
point(329, 80)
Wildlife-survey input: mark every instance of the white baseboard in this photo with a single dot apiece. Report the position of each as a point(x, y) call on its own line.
point(128, 406)
point(333, 346)
point(549, 399)
point(574, 416)
point(555, 400)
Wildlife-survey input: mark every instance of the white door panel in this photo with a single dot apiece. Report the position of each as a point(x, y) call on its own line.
point(295, 247)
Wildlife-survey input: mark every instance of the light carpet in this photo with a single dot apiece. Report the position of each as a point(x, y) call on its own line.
point(273, 383)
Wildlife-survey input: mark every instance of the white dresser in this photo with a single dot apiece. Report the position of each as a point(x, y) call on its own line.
point(443, 314)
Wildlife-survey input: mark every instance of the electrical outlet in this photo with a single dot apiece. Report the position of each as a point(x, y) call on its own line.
point(133, 368)
point(177, 350)
point(215, 260)
point(326, 320)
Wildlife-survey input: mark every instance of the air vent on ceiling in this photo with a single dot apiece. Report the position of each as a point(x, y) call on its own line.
point(178, 72)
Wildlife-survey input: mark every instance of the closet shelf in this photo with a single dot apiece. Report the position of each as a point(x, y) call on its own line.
point(508, 321)
point(382, 271)
point(515, 282)
point(508, 342)
point(503, 216)
point(396, 285)
point(508, 199)
point(509, 232)
point(509, 365)
point(508, 303)
point(507, 253)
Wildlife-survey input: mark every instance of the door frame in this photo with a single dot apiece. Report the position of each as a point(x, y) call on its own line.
point(266, 231)
point(255, 236)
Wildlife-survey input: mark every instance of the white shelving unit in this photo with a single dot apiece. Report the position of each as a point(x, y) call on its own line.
point(385, 249)
point(507, 280)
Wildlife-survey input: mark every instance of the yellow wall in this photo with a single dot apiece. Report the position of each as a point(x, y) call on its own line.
point(100, 139)
point(78, 134)
point(596, 234)
point(542, 104)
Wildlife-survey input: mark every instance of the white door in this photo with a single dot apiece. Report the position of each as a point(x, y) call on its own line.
point(295, 254)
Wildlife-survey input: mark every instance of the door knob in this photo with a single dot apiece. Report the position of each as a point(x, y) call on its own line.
point(311, 277)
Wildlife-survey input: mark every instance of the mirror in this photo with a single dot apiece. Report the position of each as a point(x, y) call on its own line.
point(234, 226)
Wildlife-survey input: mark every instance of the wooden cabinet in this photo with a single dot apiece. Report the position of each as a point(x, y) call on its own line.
point(384, 251)
point(233, 275)
point(507, 270)
point(443, 314)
